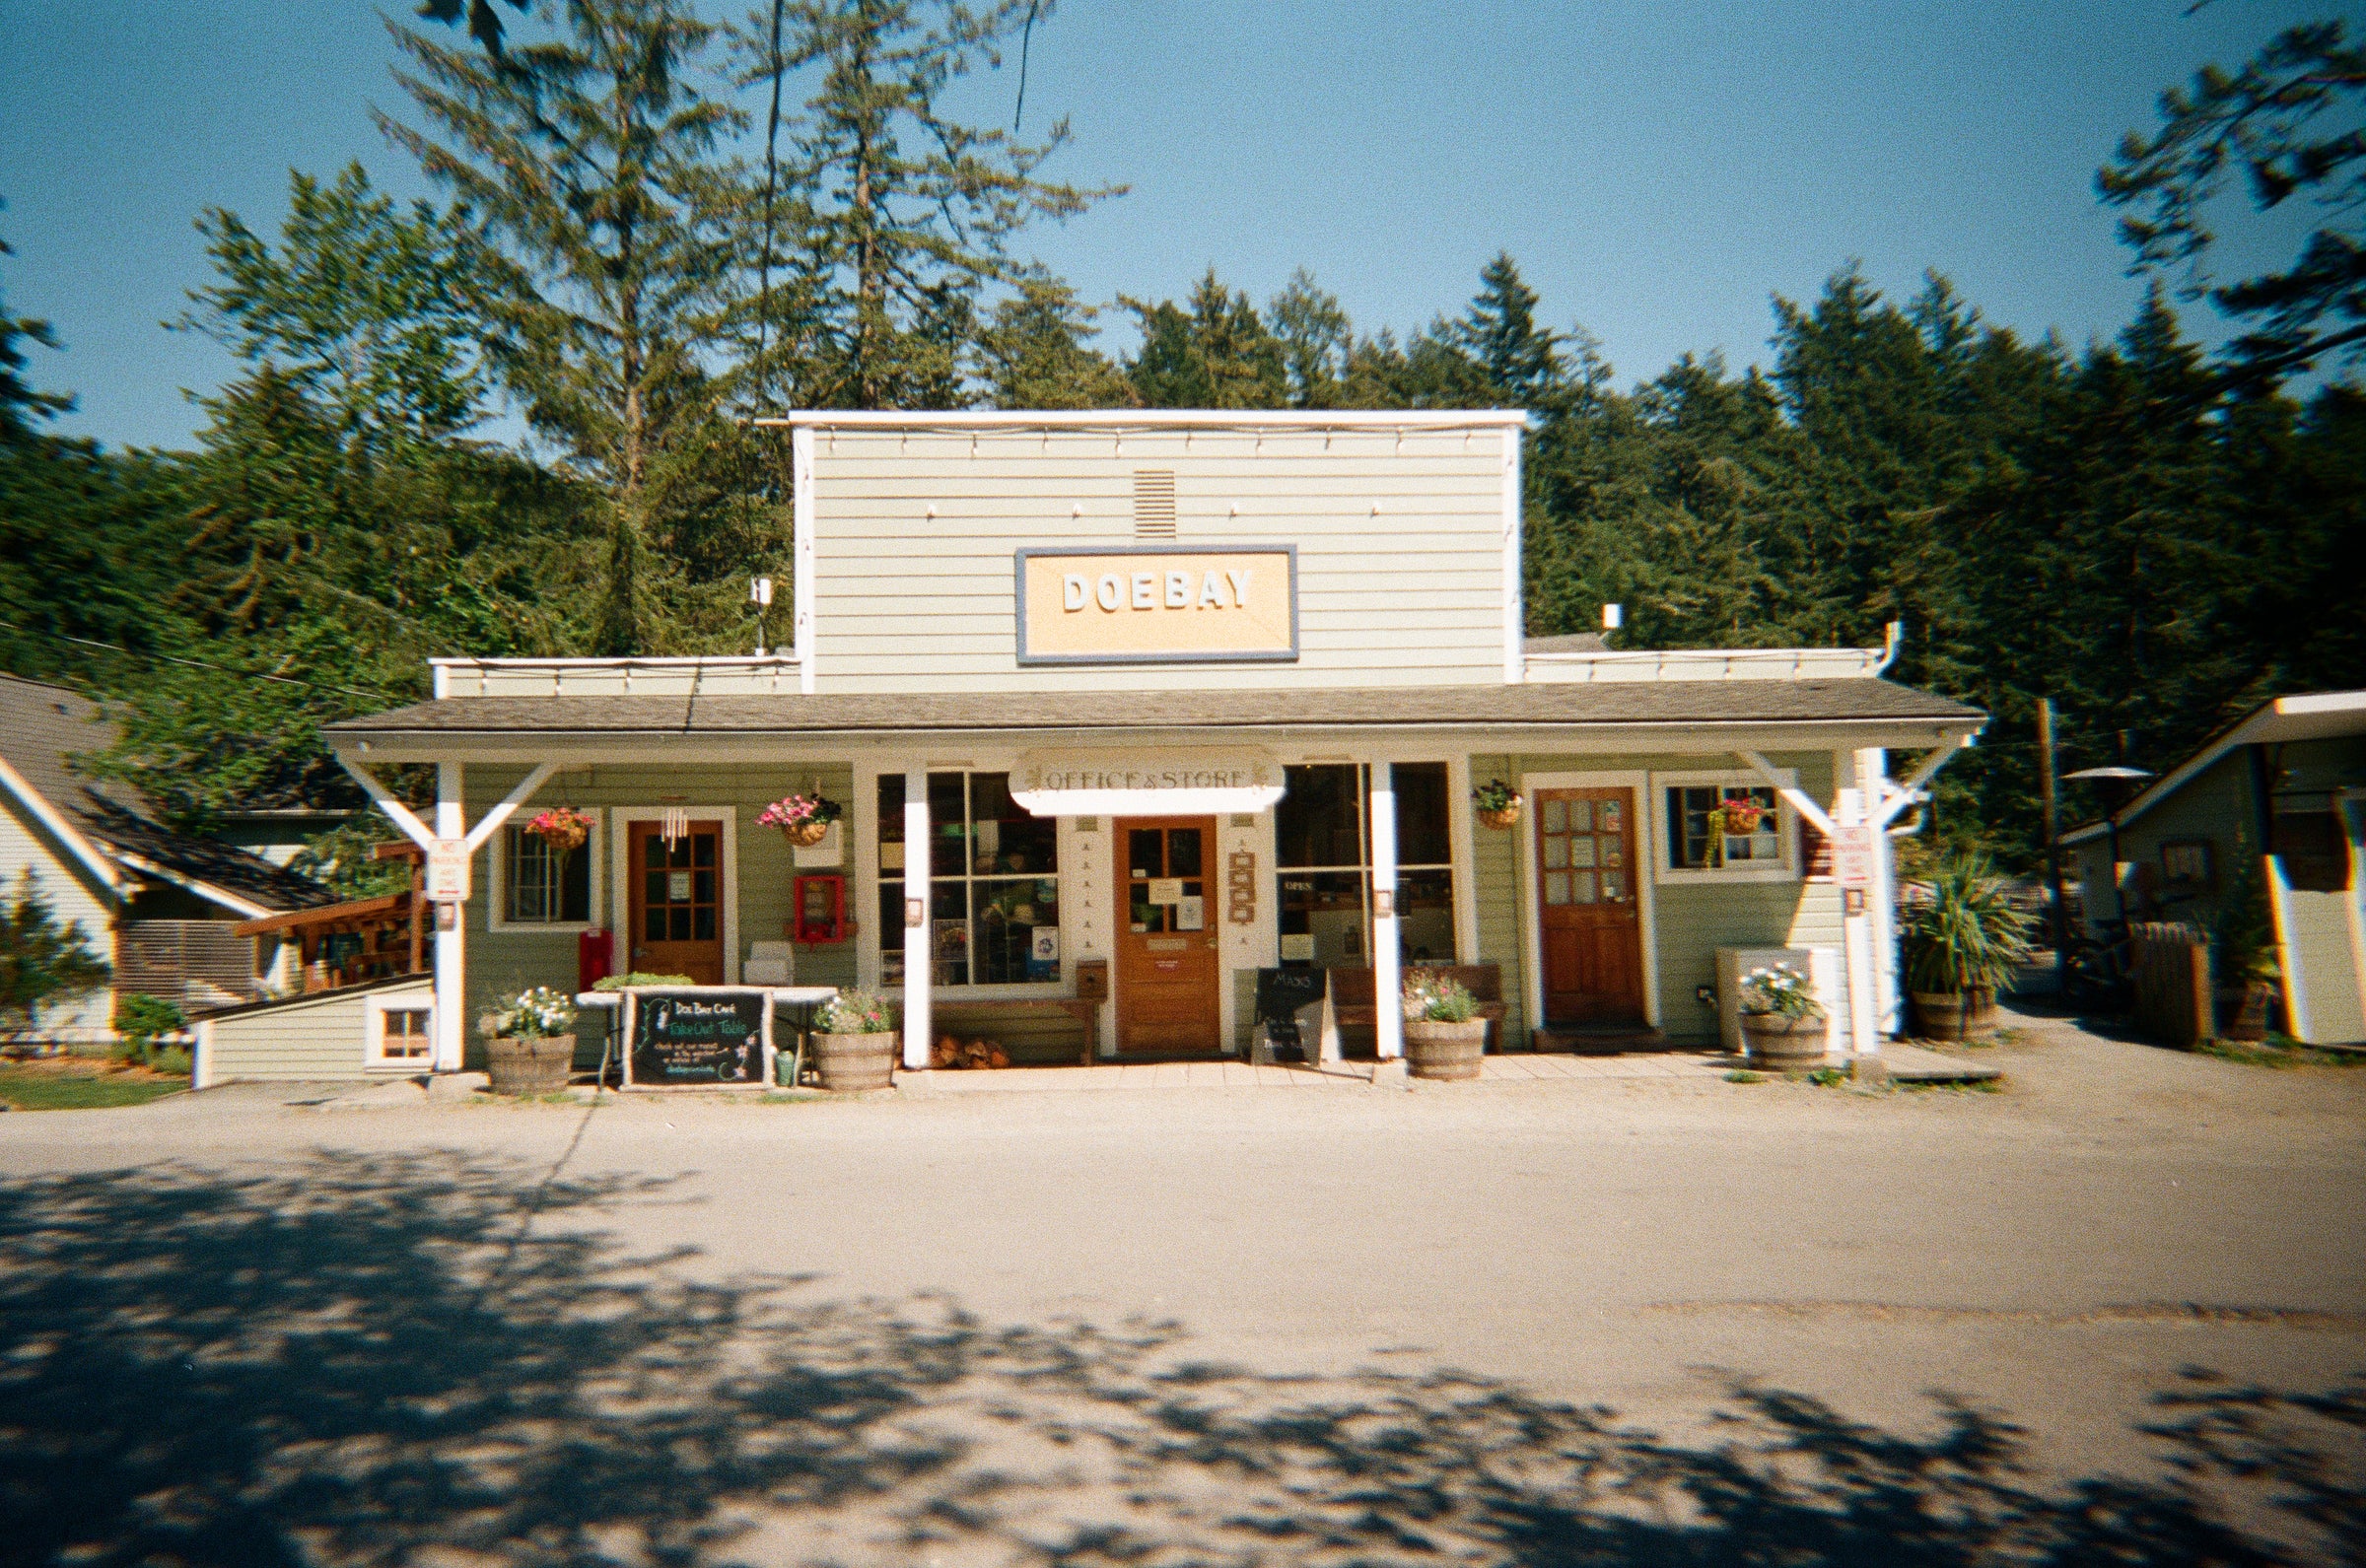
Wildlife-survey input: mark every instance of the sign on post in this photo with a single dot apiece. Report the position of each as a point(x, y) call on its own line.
point(1853, 857)
point(447, 872)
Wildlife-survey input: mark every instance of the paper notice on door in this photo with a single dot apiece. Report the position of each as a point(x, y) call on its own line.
point(1166, 890)
point(1298, 949)
point(677, 887)
point(1191, 912)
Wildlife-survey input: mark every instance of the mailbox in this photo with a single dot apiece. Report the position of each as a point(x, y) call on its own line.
point(1092, 980)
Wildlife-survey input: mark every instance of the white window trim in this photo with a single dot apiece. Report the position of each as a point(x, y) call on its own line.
point(620, 842)
point(1532, 942)
point(868, 958)
point(1786, 829)
point(496, 875)
point(374, 1049)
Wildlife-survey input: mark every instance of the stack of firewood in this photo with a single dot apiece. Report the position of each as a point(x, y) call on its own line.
point(950, 1052)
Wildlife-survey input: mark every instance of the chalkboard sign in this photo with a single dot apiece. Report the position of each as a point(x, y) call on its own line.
point(1281, 992)
point(692, 1037)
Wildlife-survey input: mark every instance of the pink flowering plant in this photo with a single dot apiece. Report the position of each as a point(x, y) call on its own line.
point(796, 812)
point(563, 828)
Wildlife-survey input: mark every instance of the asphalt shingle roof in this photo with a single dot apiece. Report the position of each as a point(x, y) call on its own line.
point(1604, 702)
point(44, 727)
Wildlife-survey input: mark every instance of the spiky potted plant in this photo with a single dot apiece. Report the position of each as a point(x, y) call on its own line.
point(1444, 1036)
point(1962, 945)
point(2246, 964)
point(530, 1042)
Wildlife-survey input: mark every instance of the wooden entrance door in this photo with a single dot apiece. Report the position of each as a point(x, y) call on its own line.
point(1590, 921)
point(676, 894)
point(1166, 953)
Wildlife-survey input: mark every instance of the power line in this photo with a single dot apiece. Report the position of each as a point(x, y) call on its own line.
point(199, 663)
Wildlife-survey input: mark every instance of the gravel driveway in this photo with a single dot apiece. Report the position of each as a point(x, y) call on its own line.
point(1539, 1322)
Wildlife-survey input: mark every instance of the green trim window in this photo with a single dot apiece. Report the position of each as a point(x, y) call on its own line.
point(1695, 842)
point(994, 883)
point(541, 888)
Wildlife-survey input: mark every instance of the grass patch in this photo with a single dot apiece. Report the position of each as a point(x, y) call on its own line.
point(792, 1096)
point(1745, 1075)
point(46, 1089)
point(1826, 1077)
point(1968, 1086)
point(2278, 1052)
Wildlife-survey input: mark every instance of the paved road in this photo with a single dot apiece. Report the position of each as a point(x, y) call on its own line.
point(2056, 1256)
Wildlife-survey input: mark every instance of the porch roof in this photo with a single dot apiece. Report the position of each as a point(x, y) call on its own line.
point(852, 715)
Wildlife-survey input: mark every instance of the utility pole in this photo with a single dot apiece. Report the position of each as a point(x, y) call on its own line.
point(2054, 837)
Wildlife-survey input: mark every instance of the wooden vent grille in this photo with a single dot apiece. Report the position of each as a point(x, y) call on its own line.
point(1154, 504)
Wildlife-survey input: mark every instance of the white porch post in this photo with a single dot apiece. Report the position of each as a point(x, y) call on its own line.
point(452, 970)
point(1388, 1019)
point(1873, 784)
point(918, 950)
point(1864, 1041)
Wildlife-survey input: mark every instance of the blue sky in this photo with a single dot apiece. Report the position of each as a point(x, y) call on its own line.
point(1658, 169)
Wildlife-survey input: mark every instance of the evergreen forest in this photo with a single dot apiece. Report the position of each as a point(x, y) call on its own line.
point(656, 224)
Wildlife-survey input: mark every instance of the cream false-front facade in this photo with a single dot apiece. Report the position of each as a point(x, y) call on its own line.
point(1129, 710)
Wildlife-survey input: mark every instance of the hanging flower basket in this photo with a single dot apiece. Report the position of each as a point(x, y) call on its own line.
point(1497, 802)
point(803, 820)
point(563, 828)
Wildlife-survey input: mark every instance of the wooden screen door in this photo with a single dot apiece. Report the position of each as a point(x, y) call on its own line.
point(1167, 952)
point(1592, 931)
point(676, 893)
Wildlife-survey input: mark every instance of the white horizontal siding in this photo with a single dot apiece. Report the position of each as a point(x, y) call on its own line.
point(915, 535)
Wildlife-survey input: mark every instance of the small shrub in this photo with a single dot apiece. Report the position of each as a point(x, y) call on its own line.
point(174, 1060)
point(1745, 1075)
point(855, 1013)
point(1433, 997)
point(141, 1020)
point(1826, 1077)
point(640, 978)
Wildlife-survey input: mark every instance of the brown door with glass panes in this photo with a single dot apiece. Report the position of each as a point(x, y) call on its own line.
point(675, 896)
point(1166, 953)
point(1592, 934)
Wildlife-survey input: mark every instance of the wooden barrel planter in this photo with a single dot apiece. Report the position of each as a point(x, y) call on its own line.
point(2243, 1011)
point(528, 1063)
point(1442, 1051)
point(1955, 1014)
point(1782, 1045)
point(852, 1063)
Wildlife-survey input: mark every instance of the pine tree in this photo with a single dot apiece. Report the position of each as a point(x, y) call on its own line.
point(591, 159)
point(1216, 353)
point(1034, 354)
point(43, 961)
point(906, 214)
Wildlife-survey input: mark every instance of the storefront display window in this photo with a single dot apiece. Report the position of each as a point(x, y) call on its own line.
point(994, 886)
point(1323, 847)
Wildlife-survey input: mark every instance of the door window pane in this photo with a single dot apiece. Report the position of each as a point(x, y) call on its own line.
point(1183, 851)
point(1556, 816)
point(1557, 887)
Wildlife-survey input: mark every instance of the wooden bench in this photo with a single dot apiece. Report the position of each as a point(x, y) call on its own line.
point(1353, 1001)
point(968, 1019)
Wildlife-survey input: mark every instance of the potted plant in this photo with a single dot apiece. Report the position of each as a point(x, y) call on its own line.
point(530, 1042)
point(2246, 964)
point(1498, 803)
point(1444, 1036)
point(563, 828)
point(803, 820)
point(854, 1042)
point(1962, 945)
point(1782, 1023)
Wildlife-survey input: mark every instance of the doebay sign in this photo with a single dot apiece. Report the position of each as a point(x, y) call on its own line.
point(1165, 604)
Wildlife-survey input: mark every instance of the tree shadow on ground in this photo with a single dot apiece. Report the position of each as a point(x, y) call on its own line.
point(367, 1362)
